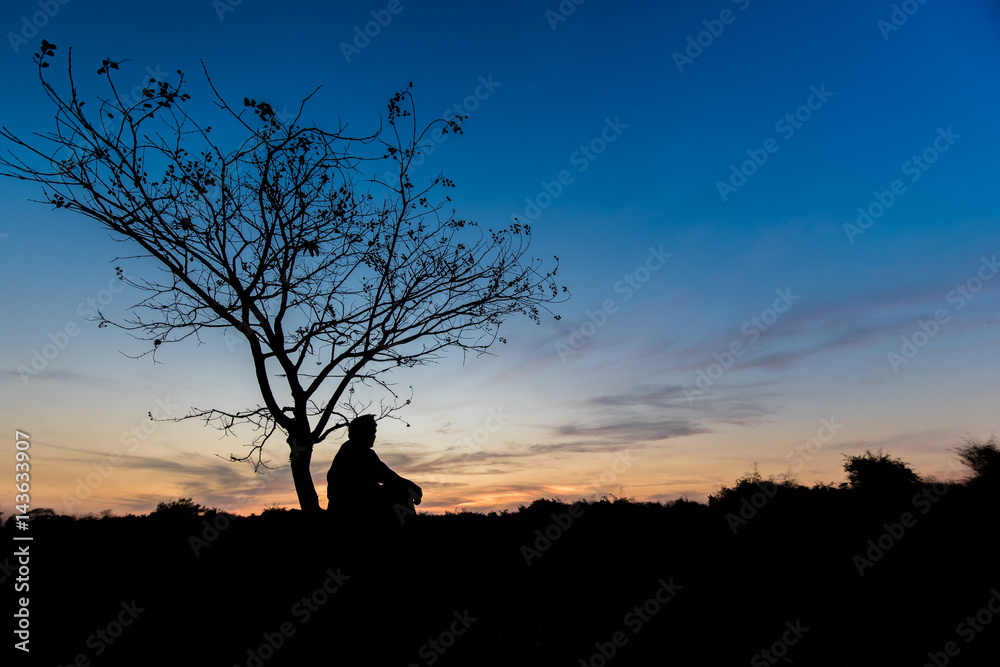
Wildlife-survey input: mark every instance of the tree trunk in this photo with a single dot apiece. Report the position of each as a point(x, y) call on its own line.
point(300, 459)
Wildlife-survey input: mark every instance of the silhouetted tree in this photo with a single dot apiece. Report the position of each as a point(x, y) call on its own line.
point(878, 471)
point(982, 457)
point(274, 238)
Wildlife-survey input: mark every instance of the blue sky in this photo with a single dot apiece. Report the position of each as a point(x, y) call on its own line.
point(834, 105)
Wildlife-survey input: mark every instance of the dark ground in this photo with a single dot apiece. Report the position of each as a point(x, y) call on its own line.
point(457, 589)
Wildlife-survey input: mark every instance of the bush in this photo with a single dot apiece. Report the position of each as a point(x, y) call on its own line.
point(877, 471)
point(746, 486)
point(184, 507)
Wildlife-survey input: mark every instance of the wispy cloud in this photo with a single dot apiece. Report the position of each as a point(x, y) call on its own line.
point(620, 431)
point(814, 327)
point(70, 377)
point(739, 403)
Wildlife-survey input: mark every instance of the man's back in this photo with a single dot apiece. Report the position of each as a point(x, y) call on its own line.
point(354, 477)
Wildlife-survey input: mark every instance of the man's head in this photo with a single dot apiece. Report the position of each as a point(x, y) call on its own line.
point(362, 429)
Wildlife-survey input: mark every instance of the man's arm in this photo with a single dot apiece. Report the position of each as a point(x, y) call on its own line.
point(387, 475)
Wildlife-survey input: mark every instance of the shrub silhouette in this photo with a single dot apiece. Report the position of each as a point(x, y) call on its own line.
point(749, 484)
point(982, 457)
point(274, 510)
point(879, 473)
point(181, 508)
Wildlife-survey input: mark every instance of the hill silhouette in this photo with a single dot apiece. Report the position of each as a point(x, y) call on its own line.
point(768, 572)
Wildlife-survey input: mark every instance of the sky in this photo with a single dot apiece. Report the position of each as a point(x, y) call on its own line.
point(777, 220)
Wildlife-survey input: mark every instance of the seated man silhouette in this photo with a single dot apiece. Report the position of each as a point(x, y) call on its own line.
point(361, 488)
